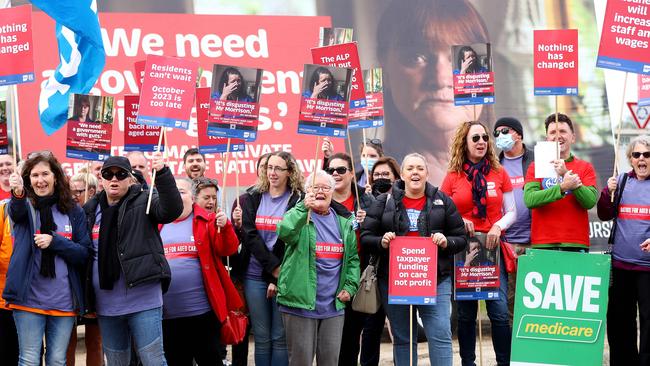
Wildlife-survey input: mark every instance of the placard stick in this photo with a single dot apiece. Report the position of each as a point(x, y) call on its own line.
point(237, 178)
point(153, 173)
point(480, 336)
point(225, 175)
point(14, 121)
point(474, 111)
point(365, 167)
point(354, 174)
point(411, 335)
point(87, 174)
point(313, 180)
point(618, 134)
point(557, 132)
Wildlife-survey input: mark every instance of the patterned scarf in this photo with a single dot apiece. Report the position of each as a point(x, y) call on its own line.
point(476, 175)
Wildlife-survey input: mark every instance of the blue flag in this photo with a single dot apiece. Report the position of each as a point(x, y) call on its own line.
point(82, 57)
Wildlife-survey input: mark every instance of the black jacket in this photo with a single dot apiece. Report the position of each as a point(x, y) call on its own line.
point(439, 215)
point(140, 247)
point(529, 157)
point(253, 244)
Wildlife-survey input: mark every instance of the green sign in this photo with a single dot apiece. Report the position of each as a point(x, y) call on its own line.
point(560, 308)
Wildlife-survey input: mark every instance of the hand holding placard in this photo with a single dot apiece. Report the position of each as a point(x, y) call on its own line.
point(385, 240)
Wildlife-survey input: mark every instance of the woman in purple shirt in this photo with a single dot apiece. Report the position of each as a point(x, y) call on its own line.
point(51, 245)
point(630, 237)
point(277, 191)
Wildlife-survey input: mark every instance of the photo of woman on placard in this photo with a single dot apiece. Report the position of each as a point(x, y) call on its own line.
point(232, 85)
point(468, 61)
point(82, 110)
point(323, 85)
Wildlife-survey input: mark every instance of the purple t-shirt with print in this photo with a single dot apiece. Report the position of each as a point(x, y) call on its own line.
point(51, 293)
point(269, 213)
point(122, 300)
point(186, 295)
point(329, 262)
point(519, 232)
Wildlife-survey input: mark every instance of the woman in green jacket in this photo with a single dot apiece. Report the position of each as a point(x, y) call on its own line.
point(319, 273)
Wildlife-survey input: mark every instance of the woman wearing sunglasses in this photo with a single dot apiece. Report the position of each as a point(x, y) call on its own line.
point(630, 237)
point(416, 208)
point(481, 189)
point(320, 273)
point(51, 246)
point(278, 189)
point(128, 273)
point(339, 166)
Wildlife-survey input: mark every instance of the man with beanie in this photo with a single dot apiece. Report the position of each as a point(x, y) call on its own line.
point(515, 158)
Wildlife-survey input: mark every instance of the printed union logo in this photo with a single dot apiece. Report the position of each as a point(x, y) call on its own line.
point(336, 132)
point(646, 68)
point(177, 123)
point(427, 300)
point(246, 134)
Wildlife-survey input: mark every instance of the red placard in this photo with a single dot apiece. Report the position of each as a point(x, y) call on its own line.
point(139, 72)
point(138, 137)
point(344, 55)
point(4, 140)
point(412, 276)
point(211, 144)
point(625, 38)
point(251, 41)
point(167, 92)
point(16, 47)
point(555, 62)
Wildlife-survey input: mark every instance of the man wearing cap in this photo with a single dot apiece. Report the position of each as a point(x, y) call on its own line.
point(515, 158)
point(129, 273)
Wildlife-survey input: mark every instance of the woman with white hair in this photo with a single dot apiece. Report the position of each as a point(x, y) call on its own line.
point(319, 273)
point(630, 239)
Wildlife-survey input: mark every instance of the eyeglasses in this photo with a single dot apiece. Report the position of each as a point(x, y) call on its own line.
point(340, 170)
point(637, 154)
point(77, 192)
point(323, 189)
point(278, 169)
point(373, 141)
point(484, 136)
point(120, 174)
point(381, 175)
point(504, 131)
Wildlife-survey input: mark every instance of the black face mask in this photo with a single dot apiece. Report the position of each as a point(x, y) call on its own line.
point(381, 185)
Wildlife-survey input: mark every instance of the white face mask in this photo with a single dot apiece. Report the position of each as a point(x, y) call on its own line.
point(505, 142)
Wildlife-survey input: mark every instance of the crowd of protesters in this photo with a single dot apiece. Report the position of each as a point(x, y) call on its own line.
point(151, 283)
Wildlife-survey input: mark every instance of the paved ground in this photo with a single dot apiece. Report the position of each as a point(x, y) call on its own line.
point(386, 354)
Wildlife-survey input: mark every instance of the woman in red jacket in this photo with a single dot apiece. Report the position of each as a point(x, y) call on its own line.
point(200, 293)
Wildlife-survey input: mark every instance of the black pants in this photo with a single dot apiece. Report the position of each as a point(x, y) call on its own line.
point(628, 290)
point(192, 338)
point(240, 350)
point(371, 338)
point(350, 341)
point(8, 339)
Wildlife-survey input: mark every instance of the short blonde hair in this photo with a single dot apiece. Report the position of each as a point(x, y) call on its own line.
point(82, 176)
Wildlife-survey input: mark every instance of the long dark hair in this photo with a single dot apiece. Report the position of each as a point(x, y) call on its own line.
point(61, 184)
point(461, 57)
point(224, 80)
point(315, 76)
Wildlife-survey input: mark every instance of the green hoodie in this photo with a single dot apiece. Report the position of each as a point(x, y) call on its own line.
point(297, 281)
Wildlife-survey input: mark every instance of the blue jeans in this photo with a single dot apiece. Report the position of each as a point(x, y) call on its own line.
point(498, 313)
point(31, 327)
point(146, 329)
point(266, 321)
point(435, 319)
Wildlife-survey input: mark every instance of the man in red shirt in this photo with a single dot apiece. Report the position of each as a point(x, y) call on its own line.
point(559, 205)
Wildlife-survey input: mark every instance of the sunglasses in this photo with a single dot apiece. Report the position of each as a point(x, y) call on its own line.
point(484, 136)
point(340, 170)
point(373, 141)
point(636, 154)
point(504, 131)
point(120, 174)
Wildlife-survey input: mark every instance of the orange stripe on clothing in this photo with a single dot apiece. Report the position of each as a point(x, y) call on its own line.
point(41, 311)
